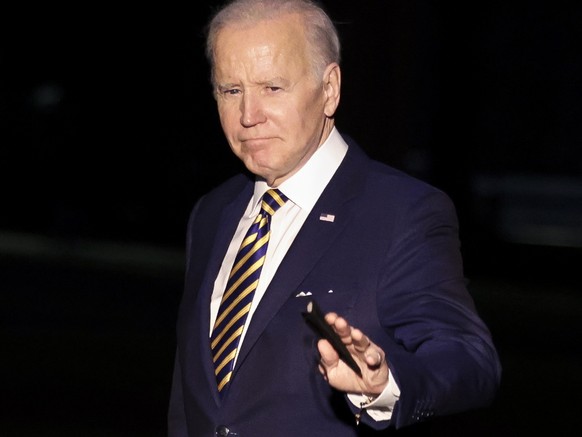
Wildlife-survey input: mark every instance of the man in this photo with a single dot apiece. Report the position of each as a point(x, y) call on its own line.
point(373, 247)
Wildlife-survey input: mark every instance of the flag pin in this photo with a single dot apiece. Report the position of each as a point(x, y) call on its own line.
point(327, 217)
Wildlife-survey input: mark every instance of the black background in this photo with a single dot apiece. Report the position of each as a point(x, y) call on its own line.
point(109, 134)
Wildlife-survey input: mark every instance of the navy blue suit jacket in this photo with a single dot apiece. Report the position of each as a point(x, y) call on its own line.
point(389, 263)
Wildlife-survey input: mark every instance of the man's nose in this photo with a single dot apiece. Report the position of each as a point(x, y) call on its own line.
point(252, 110)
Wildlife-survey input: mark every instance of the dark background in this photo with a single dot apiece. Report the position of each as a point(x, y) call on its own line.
point(109, 134)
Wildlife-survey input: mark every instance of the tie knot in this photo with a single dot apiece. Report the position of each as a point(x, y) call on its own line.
point(272, 201)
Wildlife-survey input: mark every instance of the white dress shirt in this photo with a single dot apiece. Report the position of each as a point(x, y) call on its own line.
point(303, 190)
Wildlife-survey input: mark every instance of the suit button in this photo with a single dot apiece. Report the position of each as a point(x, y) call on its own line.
point(222, 431)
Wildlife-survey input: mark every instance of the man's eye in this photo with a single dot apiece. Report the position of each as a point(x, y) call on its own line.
point(228, 91)
point(274, 89)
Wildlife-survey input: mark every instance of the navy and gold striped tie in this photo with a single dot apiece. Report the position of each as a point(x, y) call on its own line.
point(240, 288)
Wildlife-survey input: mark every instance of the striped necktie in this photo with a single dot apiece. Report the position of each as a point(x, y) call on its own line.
point(240, 288)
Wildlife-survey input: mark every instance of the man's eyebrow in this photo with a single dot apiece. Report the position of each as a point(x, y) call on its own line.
point(276, 81)
point(222, 86)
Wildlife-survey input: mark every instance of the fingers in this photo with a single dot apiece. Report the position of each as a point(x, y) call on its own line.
point(370, 352)
point(370, 358)
point(343, 328)
point(329, 355)
point(361, 342)
point(374, 357)
point(329, 358)
point(340, 325)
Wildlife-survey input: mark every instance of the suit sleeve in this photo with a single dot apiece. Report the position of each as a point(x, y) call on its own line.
point(176, 414)
point(439, 350)
point(176, 409)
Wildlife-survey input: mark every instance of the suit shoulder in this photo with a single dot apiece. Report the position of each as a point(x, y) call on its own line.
point(402, 184)
point(385, 178)
point(210, 205)
point(226, 191)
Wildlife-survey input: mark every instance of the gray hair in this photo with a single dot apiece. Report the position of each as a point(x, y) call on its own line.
point(321, 33)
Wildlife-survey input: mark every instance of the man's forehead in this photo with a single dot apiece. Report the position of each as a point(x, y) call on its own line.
point(287, 27)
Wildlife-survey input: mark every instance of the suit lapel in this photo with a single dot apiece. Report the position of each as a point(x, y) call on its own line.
point(226, 225)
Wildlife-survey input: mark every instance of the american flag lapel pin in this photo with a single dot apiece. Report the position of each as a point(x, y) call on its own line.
point(327, 217)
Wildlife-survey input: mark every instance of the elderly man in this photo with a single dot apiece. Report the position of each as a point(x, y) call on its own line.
point(315, 219)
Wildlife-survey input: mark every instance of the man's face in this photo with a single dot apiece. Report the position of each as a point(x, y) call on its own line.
point(274, 112)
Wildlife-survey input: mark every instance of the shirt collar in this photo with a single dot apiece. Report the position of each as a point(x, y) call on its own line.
point(305, 186)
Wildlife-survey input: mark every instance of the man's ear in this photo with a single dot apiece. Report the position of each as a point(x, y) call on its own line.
point(332, 79)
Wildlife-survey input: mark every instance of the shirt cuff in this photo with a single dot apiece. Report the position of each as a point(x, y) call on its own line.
point(381, 407)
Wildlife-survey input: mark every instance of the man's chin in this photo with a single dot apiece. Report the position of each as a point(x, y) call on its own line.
point(258, 169)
